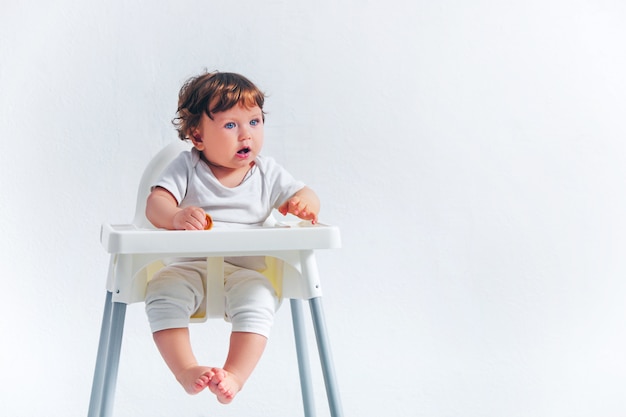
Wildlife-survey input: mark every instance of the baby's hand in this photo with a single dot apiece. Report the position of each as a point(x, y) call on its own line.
point(300, 207)
point(190, 218)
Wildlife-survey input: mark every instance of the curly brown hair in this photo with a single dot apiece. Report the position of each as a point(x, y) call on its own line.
point(210, 93)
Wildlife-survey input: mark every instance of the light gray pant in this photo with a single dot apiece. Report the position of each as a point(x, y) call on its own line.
point(177, 291)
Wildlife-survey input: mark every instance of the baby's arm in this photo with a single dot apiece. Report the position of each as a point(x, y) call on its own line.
point(162, 210)
point(305, 204)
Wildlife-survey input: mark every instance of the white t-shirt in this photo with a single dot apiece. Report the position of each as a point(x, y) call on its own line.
point(192, 183)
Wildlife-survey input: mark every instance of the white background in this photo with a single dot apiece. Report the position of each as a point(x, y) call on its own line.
point(471, 152)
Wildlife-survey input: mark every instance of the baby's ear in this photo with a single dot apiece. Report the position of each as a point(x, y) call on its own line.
point(196, 139)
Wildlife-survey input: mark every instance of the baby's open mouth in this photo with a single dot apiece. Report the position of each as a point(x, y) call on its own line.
point(243, 151)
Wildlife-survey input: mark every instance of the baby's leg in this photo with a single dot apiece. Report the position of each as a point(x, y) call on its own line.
point(172, 296)
point(175, 348)
point(251, 303)
point(244, 354)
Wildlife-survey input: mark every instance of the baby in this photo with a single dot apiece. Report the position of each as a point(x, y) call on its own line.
point(223, 175)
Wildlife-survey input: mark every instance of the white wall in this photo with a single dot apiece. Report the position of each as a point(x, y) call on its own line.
point(471, 152)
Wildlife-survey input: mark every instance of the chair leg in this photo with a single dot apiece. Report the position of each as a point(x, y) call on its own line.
point(107, 361)
point(103, 346)
point(323, 346)
point(304, 366)
point(118, 315)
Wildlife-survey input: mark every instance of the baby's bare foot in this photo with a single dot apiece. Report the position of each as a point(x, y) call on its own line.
point(195, 378)
point(224, 385)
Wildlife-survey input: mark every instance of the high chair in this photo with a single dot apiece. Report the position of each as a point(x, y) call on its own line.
point(137, 249)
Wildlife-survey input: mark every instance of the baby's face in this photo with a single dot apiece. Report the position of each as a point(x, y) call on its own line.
point(233, 138)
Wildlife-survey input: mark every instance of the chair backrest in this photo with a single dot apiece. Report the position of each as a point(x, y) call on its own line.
point(150, 175)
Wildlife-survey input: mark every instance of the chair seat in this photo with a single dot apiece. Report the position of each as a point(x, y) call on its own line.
point(134, 250)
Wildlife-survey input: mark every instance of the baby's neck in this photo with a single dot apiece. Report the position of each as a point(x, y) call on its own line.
point(231, 177)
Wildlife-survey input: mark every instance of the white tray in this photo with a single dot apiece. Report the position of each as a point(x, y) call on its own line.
point(128, 239)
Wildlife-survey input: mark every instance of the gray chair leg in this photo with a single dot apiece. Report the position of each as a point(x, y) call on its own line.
point(304, 366)
point(108, 358)
point(103, 346)
point(118, 315)
point(323, 346)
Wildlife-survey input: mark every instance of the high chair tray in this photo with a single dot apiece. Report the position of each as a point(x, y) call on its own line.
point(128, 239)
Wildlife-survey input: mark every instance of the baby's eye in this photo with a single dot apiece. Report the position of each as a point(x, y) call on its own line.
point(229, 125)
point(254, 122)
